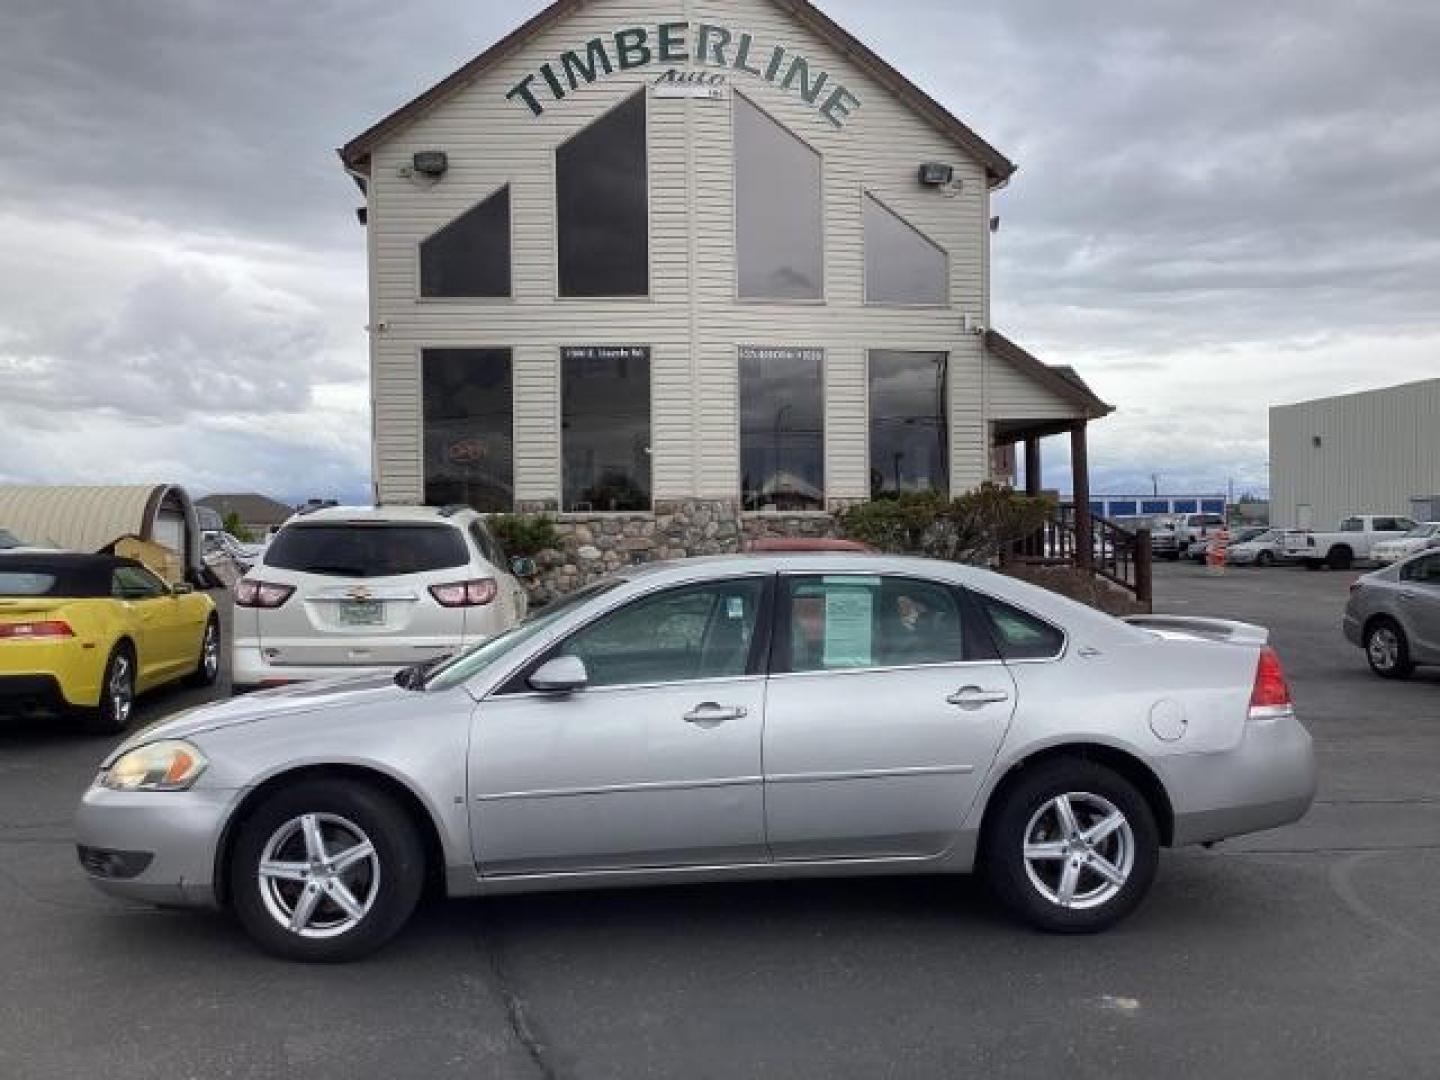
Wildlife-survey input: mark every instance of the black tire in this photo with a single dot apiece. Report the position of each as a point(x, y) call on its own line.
point(1341, 558)
point(207, 668)
point(390, 884)
point(1026, 806)
point(117, 694)
point(1265, 558)
point(1387, 649)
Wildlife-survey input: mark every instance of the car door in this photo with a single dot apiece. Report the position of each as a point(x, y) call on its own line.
point(656, 763)
point(1420, 606)
point(152, 608)
point(887, 704)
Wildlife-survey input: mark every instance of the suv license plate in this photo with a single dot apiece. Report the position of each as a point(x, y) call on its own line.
point(362, 613)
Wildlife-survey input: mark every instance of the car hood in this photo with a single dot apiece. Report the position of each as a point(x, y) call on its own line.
point(283, 704)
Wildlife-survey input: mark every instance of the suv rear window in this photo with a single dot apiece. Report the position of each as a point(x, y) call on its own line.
point(367, 550)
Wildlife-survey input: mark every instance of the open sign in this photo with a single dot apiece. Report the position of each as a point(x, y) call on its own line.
point(467, 452)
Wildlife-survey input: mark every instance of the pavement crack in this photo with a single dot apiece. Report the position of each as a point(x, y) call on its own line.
point(515, 1012)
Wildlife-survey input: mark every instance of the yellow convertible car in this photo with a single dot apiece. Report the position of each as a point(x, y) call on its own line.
point(88, 633)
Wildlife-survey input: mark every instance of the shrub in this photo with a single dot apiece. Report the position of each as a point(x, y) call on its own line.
point(975, 528)
point(524, 536)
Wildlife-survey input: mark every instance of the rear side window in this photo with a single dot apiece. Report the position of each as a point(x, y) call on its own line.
point(1352, 525)
point(487, 544)
point(1020, 635)
point(19, 583)
point(1425, 571)
point(367, 551)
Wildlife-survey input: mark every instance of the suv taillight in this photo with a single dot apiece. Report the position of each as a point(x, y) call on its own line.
point(32, 631)
point(262, 594)
point(1271, 696)
point(466, 593)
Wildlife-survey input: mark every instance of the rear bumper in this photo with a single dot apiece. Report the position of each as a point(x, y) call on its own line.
point(1267, 781)
point(31, 693)
point(252, 671)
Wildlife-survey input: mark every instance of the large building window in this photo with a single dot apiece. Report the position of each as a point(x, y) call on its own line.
point(470, 257)
point(902, 266)
point(603, 206)
point(606, 422)
point(469, 429)
point(779, 216)
point(909, 422)
point(782, 428)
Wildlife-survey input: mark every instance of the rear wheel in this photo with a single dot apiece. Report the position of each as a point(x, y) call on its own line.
point(1388, 650)
point(326, 871)
point(1342, 558)
point(117, 694)
point(1073, 847)
point(1265, 558)
point(207, 669)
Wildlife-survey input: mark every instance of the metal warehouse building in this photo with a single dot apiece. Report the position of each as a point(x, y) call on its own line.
point(1375, 452)
point(690, 260)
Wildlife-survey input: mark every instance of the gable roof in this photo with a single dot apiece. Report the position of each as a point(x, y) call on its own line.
point(356, 153)
point(1063, 381)
point(250, 507)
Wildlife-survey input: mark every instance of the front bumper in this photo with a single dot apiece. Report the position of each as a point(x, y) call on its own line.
point(154, 847)
point(1267, 781)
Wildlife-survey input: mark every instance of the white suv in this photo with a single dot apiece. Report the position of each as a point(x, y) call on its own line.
point(342, 591)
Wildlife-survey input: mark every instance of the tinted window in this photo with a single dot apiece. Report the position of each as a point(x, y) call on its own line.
point(779, 222)
point(8, 540)
point(700, 632)
point(367, 551)
point(1352, 525)
point(606, 429)
point(602, 205)
point(902, 266)
point(909, 432)
point(1020, 635)
point(1425, 571)
point(469, 429)
point(471, 255)
point(133, 583)
point(20, 583)
point(1385, 525)
point(841, 623)
point(782, 429)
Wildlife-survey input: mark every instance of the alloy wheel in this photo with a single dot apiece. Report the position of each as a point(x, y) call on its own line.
point(319, 876)
point(1079, 851)
point(210, 654)
point(1384, 648)
point(121, 690)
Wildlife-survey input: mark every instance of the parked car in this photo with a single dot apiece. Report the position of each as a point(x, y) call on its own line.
point(1394, 615)
point(1265, 548)
point(1199, 550)
point(1174, 534)
point(719, 719)
point(87, 633)
point(1355, 542)
point(1422, 537)
point(220, 543)
point(341, 590)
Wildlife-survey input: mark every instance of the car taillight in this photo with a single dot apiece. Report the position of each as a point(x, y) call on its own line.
point(1271, 696)
point(31, 631)
point(466, 593)
point(262, 594)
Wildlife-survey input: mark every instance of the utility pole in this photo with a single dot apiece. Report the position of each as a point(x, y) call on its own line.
point(1155, 482)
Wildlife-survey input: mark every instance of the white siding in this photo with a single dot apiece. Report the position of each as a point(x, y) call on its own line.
point(692, 320)
point(1015, 396)
point(1377, 452)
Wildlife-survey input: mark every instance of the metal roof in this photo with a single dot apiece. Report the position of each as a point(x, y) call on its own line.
point(86, 519)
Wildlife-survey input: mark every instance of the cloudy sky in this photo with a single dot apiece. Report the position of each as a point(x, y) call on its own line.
point(1221, 206)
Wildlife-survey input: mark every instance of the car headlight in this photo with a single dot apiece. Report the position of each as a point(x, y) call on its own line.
point(171, 765)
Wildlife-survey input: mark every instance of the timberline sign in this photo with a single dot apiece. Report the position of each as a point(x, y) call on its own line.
point(699, 45)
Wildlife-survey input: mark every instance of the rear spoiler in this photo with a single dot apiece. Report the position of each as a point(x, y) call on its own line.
point(1233, 633)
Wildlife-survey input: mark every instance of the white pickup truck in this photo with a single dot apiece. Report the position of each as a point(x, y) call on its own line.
point(1354, 542)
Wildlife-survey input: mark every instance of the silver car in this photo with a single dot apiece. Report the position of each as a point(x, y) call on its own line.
point(1394, 615)
point(724, 719)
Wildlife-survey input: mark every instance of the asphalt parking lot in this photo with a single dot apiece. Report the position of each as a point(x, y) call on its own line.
point(1313, 950)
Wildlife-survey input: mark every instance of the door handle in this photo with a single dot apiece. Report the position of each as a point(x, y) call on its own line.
point(973, 697)
point(712, 715)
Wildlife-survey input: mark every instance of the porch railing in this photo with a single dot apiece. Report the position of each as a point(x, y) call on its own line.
point(1117, 554)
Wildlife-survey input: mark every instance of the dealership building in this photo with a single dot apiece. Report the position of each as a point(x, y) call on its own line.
point(1376, 452)
point(684, 271)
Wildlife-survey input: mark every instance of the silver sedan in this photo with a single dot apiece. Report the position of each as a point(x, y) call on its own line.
point(712, 720)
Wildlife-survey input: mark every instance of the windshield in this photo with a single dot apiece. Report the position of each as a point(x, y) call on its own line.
point(8, 540)
point(467, 665)
point(364, 550)
point(1423, 532)
point(1270, 536)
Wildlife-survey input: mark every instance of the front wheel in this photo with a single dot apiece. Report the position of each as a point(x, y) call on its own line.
point(1072, 848)
point(1388, 650)
point(326, 871)
point(1265, 558)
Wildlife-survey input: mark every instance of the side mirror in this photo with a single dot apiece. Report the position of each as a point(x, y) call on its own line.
point(181, 588)
point(563, 675)
point(523, 567)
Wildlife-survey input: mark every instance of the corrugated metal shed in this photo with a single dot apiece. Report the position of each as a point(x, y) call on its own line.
point(1374, 452)
point(91, 518)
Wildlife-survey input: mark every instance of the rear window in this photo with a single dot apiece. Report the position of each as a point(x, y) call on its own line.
point(23, 584)
point(1020, 635)
point(8, 539)
point(367, 551)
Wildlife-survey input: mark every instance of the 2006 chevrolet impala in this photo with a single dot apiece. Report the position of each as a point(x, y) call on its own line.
point(749, 717)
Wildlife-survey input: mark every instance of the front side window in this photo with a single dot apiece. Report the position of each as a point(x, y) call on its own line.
point(603, 206)
point(852, 623)
point(902, 265)
point(688, 634)
point(782, 429)
point(779, 215)
point(470, 257)
point(133, 583)
point(1425, 571)
point(469, 428)
point(606, 428)
point(1019, 635)
point(909, 422)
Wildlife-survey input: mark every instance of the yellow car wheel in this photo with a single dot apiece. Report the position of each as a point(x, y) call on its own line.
point(117, 694)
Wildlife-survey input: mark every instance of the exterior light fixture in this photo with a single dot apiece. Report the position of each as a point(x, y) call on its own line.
point(936, 174)
point(431, 163)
